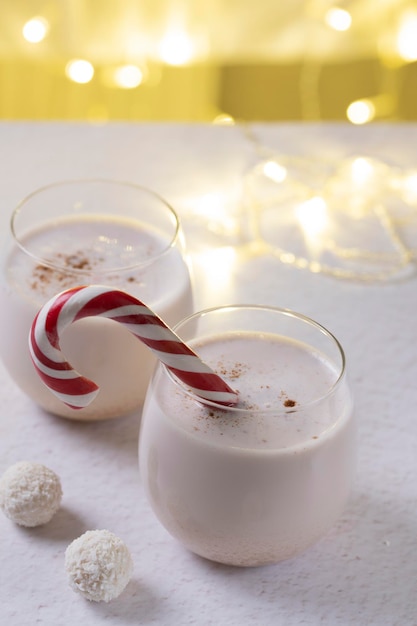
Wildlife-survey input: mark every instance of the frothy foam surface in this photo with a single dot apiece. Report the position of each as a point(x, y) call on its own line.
point(275, 377)
point(84, 246)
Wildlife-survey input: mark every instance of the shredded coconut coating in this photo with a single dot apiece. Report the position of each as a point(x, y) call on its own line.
point(30, 493)
point(99, 565)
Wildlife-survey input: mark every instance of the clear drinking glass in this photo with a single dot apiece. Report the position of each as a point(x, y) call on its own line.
point(91, 232)
point(260, 482)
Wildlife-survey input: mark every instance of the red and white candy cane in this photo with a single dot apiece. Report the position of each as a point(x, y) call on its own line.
point(95, 300)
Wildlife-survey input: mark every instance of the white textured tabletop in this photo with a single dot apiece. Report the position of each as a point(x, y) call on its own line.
point(364, 572)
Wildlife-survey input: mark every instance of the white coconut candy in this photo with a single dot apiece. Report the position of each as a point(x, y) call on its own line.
point(30, 493)
point(99, 565)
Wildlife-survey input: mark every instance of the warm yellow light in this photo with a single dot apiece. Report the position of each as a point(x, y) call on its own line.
point(210, 204)
point(338, 19)
point(35, 30)
point(312, 216)
point(409, 188)
point(176, 48)
point(128, 76)
point(362, 170)
point(406, 36)
point(361, 111)
point(214, 207)
point(79, 71)
point(275, 171)
point(224, 120)
point(217, 266)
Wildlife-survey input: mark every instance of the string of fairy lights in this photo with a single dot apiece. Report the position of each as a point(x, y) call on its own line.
point(177, 47)
point(353, 219)
point(356, 219)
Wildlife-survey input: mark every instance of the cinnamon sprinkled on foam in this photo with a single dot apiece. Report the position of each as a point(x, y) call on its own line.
point(44, 275)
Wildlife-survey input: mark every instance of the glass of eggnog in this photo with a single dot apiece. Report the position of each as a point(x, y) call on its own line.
point(261, 481)
point(88, 232)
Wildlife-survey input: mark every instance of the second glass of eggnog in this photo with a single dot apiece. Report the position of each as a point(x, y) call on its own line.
point(261, 481)
point(84, 232)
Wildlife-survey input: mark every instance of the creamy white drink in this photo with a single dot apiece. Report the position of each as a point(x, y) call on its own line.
point(262, 482)
point(84, 249)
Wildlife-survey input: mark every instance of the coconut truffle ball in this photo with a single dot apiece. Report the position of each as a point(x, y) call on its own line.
point(30, 493)
point(99, 565)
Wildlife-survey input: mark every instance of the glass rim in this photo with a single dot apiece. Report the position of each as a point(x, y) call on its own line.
point(110, 181)
point(236, 410)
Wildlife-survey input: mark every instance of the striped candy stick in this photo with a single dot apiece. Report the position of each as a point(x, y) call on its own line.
point(88, 301)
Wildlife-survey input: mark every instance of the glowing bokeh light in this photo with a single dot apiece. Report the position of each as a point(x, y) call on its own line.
point(128, 76)
point(361, 111)
point(224, 120)
point(176, 48)
point(275, 171)
point(338, 19)
point(362, 170)
point(35, 30)
point(217, 267)
point(406, 36)
point(214, 208)
point(409, 188)
point(79, 71)
point(312, 216)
